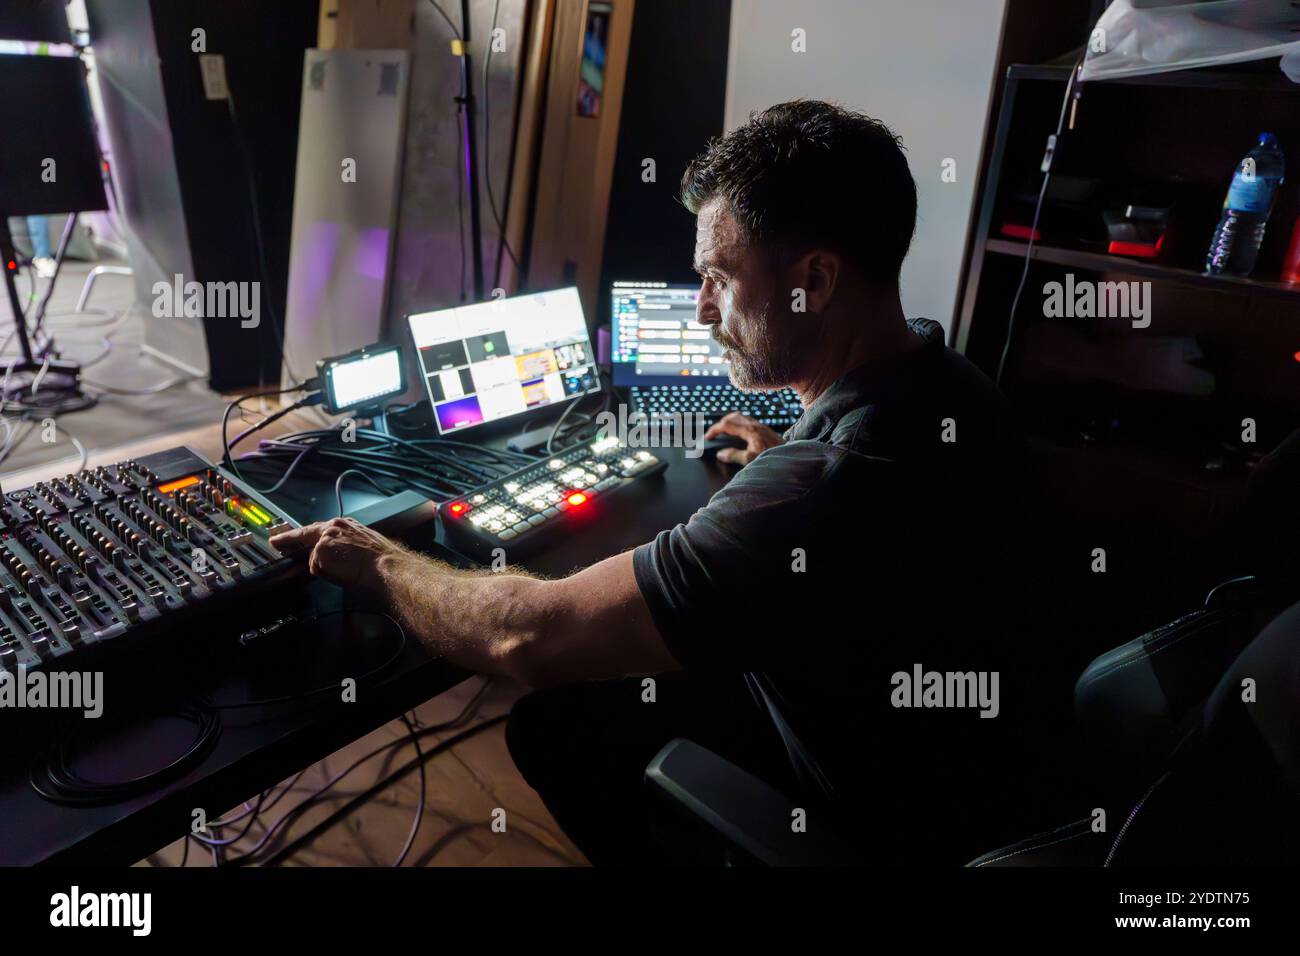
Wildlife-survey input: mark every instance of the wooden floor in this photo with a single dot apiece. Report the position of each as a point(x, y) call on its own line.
point(466, 786)
point(477, 809)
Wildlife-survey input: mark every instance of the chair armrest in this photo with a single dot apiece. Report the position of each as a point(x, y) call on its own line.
point(743, 810)
point(1075, 844)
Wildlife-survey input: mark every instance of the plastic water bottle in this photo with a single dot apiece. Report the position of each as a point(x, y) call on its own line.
point(1250, 198)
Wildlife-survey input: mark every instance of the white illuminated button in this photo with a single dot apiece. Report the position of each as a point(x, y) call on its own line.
point(555, 464)
point(478, 499)
point(602, 468)
point(512, 486)
point(628, 462)
point(644, 455)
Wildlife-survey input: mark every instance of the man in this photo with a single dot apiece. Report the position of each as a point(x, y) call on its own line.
point(852, 550)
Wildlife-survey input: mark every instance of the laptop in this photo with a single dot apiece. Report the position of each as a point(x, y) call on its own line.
point(491, 361)
point(670, 364)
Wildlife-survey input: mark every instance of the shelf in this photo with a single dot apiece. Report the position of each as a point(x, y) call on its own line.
point(1100, 262)
point(1269, 80)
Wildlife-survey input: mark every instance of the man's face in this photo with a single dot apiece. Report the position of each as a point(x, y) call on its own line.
point(743, 303)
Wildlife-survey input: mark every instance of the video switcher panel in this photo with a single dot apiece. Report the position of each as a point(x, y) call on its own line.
point(101, 557)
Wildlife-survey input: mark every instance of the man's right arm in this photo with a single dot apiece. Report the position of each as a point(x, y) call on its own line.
point(592, 624)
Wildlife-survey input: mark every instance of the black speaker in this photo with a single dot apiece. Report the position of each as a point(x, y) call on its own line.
point(34, 20)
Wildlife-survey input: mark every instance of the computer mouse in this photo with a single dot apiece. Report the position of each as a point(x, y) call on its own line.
point(710, 446)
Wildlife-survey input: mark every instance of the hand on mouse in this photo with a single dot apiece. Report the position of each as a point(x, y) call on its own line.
point(757, 438)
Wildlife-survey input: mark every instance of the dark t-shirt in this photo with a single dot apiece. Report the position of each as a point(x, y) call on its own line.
point(875, 540)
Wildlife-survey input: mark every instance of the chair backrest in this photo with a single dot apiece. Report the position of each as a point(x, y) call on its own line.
point(1135, 702)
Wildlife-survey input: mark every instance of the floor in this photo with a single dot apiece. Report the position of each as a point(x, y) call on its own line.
point(107, 342)
point(467, 786)
point(477, 809)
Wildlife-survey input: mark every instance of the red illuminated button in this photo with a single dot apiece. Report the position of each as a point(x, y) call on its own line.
point(459, 508)
point(576, 498)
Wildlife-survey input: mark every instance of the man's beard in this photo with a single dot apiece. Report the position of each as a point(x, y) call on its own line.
point(765, 366)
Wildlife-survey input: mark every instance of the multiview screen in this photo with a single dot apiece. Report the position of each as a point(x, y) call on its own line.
point(489, 361)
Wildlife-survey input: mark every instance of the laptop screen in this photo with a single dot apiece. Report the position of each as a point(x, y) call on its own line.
point(493, 360)
point(655, 338)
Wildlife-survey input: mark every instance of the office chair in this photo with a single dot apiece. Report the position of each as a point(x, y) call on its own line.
point(1228, 794)
point(750, 820)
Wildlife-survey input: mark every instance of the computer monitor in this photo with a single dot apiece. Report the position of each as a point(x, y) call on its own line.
point(494, 360)
point(656, 339)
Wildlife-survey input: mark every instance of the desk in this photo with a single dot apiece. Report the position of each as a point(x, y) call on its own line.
point(258, 749)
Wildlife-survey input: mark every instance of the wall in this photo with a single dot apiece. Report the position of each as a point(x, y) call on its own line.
point(430, 236)
point(673, 104)
point(925, 67)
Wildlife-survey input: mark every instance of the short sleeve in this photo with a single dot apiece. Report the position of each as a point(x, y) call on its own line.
point(721, 586)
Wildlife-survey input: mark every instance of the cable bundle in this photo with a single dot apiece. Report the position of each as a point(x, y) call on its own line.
point(437, 468)
point(55, 778)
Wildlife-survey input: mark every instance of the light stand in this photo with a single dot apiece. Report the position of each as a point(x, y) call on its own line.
point(466, 102)
point(29, 361)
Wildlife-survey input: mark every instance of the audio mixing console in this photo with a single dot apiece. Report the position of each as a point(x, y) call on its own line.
point(101, 558)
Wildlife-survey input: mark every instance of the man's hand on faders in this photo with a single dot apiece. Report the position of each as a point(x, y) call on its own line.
point(342, 550)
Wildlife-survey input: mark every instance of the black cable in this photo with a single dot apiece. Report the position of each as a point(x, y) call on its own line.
point(313, 399)
point(502, 241)
point(338, 486)
point(419, 805)
point(225, 419)
point(54, 778)
point(442, 13)
point(223, 841)
point(428, 465)
point(460, 196)
point(468, 711)
point(606, 395)
point(1033, 229)
point(365, 796)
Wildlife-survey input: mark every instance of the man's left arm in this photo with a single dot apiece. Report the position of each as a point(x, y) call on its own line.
point(589, 625)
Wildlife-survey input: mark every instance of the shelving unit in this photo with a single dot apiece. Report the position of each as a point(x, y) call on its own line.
point(1134, 451)
point(1103, 263)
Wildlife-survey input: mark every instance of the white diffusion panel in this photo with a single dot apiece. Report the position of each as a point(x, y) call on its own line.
point(345, 202)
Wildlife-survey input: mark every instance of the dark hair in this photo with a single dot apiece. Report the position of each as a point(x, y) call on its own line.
point(805, 174)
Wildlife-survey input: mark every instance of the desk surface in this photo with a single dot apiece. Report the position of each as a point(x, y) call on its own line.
point(262, 746)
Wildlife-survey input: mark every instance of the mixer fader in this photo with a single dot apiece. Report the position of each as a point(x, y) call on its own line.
point(103, 556)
